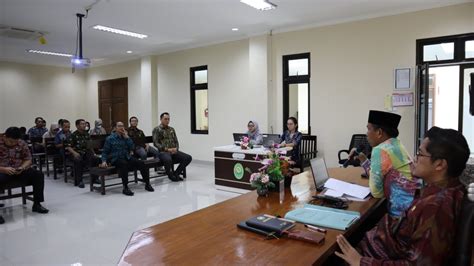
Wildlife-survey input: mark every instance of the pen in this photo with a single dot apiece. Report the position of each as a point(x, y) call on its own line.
point(315, 228)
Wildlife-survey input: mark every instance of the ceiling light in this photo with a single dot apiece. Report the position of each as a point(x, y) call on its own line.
point(259, 4)
point(235, 29)
point(129, 52)
point(118, 31)
point(48, 53)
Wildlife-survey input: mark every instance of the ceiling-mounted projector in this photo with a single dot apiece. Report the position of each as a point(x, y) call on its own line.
point(78, 61)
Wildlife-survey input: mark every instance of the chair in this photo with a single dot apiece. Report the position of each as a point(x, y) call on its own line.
point(357, 140)
point(308, 150)
point(463, 244)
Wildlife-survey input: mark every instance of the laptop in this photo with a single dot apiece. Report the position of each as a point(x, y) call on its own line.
point(270, 139)
point(320, 172)
point(239, 136)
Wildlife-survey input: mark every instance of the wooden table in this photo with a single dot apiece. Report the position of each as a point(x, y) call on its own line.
point(210, 236)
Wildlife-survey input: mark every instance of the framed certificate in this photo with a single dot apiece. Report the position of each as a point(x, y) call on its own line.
point(402, 78)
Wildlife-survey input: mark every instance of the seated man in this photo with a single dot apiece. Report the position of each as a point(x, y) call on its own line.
point(37, 132)
point(82, 155)
point(142, 150)
point(165, 139)
point(425, 233)
point(15, 164)
point(117, 150)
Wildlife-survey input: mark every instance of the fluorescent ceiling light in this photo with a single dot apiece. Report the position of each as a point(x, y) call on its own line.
point(129, 52)
point(48, 53)
point(259, 4)
point(118, 31)
point(235, 29)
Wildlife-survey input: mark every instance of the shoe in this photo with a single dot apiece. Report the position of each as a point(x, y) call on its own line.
point(81, 184)
point(127, 191)
point(148, 187)
point(178, 178)
point(2, 205)
point(173, 178)
point(2, 221)
point(38, 208)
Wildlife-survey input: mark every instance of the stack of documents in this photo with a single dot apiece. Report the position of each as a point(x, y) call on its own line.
point(323, 216)
point(337, 188)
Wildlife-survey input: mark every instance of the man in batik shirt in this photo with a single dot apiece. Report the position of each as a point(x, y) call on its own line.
point(389, 167)
point(425, 233)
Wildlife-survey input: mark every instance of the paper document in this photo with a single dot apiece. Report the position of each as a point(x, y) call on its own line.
point(349, 189)
point(333, 193)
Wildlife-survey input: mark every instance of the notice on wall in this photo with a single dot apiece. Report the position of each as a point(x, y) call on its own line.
point(402, 99)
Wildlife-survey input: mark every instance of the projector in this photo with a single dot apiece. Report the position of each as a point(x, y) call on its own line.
point(80, 62)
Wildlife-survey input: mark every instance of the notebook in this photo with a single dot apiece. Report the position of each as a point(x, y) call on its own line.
point(270, 224)
point(323, 216)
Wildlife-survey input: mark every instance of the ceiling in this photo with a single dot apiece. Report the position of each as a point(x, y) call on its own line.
point(171, 24)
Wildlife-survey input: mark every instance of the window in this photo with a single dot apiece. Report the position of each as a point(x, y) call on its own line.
point(446, 49)
point(469, 49)
point(438, 52)
point(199, 107)
point(296, 75)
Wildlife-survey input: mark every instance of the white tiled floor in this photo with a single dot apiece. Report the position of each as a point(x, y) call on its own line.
point(88, 228)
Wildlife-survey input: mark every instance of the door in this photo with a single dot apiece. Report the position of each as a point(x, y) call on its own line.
point(113, 102)
point(422, 102)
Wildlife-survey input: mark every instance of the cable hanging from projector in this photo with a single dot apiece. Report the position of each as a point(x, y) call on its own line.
point(78, 61)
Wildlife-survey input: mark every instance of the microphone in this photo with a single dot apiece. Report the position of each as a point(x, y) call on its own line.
point(358, 150)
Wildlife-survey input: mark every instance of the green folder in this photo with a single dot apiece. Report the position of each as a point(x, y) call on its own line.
point(323, 216)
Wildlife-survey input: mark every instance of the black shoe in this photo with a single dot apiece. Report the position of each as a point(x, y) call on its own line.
point(38, 208)
point(178, 178)
point(2, 205)
point(148, 187)
point(81, 184)
point(127, 191)
point(173, 178)
point(2, 221)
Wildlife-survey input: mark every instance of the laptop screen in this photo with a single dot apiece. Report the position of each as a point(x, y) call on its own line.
point(239, 136)
point(320, 172)
point(270, 139)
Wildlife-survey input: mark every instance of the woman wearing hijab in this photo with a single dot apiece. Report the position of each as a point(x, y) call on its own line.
point(53, 130)
point(253, 133)
point(98, 129)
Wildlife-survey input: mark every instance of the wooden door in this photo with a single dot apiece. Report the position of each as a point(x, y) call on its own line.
point(113, 102)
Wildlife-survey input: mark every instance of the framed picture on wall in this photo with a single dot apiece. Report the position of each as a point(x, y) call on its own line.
point(402, 78)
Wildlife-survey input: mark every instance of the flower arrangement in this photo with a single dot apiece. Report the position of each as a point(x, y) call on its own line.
point(274, 169)
point(246, 143)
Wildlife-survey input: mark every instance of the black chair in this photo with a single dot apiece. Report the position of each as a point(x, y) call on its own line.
point(357, 141)
point(308, 150)
point(463, 249)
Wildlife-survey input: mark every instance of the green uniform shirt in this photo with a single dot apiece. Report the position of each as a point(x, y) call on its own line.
point(165, 138)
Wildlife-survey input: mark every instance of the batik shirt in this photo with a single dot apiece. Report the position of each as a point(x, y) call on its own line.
point(78, 141)
point(296, 140)
point(13, 156)
point(116, 147)
point(35, 132)
point(425, 233)
point(165, 138)
point(136, 133)
point(390, 176)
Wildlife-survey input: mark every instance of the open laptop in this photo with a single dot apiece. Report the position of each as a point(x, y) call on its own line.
point(270, 139)
point(320, 172)
point(323, 180)
point(239, 136)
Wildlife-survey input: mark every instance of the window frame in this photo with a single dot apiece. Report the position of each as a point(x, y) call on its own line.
point(288, 80)
point(193, 88)
point(459, 55)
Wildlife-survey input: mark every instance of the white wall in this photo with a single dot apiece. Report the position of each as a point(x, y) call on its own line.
point(28, 91)
point(352, 67)
point(236, 91)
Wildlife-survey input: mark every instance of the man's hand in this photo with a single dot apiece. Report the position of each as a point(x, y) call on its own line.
point(173, 150)
point(19, 170)
point(103, 165)
point(76, 155)
point(8, 170)
point(362, 157)
point(349, 254)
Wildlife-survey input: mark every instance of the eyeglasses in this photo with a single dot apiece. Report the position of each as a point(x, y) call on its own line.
point(419, 154)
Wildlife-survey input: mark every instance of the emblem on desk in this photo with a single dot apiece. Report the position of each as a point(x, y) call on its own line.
point(238, 171)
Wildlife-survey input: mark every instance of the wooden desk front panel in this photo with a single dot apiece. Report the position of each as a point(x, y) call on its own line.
point(225, 167)
point(210, 236)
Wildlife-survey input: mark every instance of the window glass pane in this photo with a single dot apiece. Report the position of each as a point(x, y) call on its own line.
point(437, 52)
point(202, 121)
point(443, 99)
point(200, 76)
point(469, 49)
point(298, 105)
point(298, 67)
